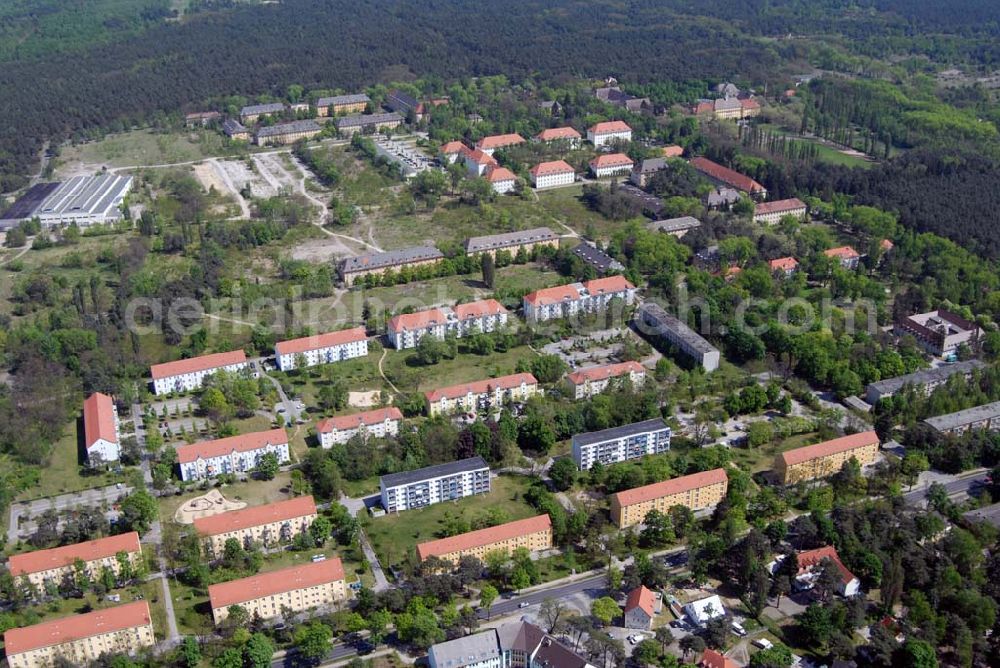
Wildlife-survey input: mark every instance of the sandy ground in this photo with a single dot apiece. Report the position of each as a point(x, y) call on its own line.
point(206, 505)
point(238, 174)
point(365, 399)
point(323, 250)
point(209, 178)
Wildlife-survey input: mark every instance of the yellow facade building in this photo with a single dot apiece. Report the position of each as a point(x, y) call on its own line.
point(825, 459)
point(265, 525)
point(45, 567)
point(695, 491)
point(533, 534)
point(298, 588)
point(482, 395)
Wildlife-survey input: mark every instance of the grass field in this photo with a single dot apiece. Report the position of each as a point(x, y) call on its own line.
point(411, 377)
point(142, 147)
point(826, 153)
point(395, 536)
point(64, 474)
point(762, 458)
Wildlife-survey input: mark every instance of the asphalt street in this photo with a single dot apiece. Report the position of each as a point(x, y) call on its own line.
point(961, 486)
point(512, 605)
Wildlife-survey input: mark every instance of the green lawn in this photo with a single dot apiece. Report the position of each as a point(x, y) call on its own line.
point(253, 492)
point(64, 474)
point(146, 147)
point(825, 152)
point(762, 458)
point(409, 376)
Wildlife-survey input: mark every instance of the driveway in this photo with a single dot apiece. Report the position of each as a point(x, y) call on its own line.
point(22, 514)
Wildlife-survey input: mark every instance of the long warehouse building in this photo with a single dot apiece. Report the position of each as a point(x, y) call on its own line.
point(84, 200)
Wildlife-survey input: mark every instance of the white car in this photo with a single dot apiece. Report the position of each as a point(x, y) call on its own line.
point(738, 629)
point(763, 643)
point(632, 640)
point(523, 604)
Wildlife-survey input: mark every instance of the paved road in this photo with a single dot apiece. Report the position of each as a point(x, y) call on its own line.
point(513, 605)
point(959, 487)
point(31, 509)
point(381, 582)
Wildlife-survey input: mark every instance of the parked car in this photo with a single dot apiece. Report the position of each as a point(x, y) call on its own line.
point(763, 643)
point(523, 604)
point(738, 629)
point(633, 640)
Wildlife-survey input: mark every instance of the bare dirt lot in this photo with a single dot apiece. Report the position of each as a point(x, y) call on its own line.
point(364, 399)
point(324, 250)
point(206, 505)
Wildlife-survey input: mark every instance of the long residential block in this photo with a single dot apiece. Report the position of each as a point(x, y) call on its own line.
point(81, 639)
point(619, 444)
point(100, 430)
point(653, 321)
point(566, 301)
point(378, 423)
point(985, 417)
point(533, 534)
point(696, 491)
point(925, 381)
point(326, 348)
point(298, 589)
point(826, 458)
point(587, 383)
point(187, 375)
point(352, 268)
point(234, 454)
point(406, 330)
point(600, 134)
point(434, 484)
point(287, 133)
point(482, 395)
point(52, 566)
point(341, 104)
point(265, 525)
point(513, 242)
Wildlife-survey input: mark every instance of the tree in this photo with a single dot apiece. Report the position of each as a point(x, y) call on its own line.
point(267, 466)
point(321, 529)
point(781, 586)
point(548, 368)
point(778, 656)
point(138, 511)
point(646, 652)
point(378, 625)
point(692, 644)
point(605, 610)
point(917, 654)
point(551, 612)
point(334, 395)
point(563, 473)
point(664, 636)
point(487, 595)
point(313, 641)
point(258, 651)
point(189, 653)
point(815, 625)
point(489, 270)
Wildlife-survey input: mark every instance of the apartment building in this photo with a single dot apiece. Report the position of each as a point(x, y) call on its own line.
point(378, 423)
point(513, 242)
point(533, 534)
point(640, 609)
point(407, 329)
point(785, 266)
point(644, 172)
point(404, 103)
point(52, 566)
point(234, 454)
point(566, 301)
point(265, 526)
point(492, 144)
point(826, 458)
point(81, 639)
point(940, 332)
point(367, 123)
point(513, 645)
point(589, 382)
point(201, 118)
point(342, 104)
point(187, 375)
point(253, 112)
point(811, 565)
point(619, 444)
point(609, 131)
point(481, 396)
point(677, 227)
point(723, 176)
point(501, 179)
point(846, 256)
point(697, 491)
point(235, 130)
point(433, 484)
point(925, 380)
point(100, 430)
point(478, 162)
point(326, 348)
point(671, 333)
point(564, 134)
point(287, 133)
point(552, 174)
point(771, 213)
point(985, 417)
point(598, 259)
point(353, 268)
point(728, 107)
point(453, 151)
point(298, 588)
point(611, 164)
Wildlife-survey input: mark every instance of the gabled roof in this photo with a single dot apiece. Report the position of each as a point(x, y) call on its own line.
point(842, 252)
point(611, 160)
point(76, 627)
point(480, 537)
point(477, 156)
point(596, 373)
point(810, 559)
point(499, 141)
point(553, 134)
point(419, 320)
point(554, 295)
point(239, 591)
point(673, 151)
point(608, 285)
point(478, 309)
point(99, 420)
point(554, 167)
point(254, 516)
point(225, 446)
point(657, 490)
point(886, 245)
point(194, 364)
point(643, 598)
point(610, 127)
point(498, 174)
point(480, 386)
point(359, 98)
point(725, 175)
point(355, 420)
point(455, 147)
point(783, 264)
point(60, 557)
point(292, 127)
point(827, 448)
point(712, 659)
point(778, 206)
point(320, 341)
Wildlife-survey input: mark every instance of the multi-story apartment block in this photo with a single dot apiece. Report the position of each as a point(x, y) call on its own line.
point(826, 458)
point(368, 123)
point(490, 145)
point(598, 259)
point(298, 588)
point(846, 256)
point(696, 491)
point(434, 484)
point(723, 176)
point(609, 131)
point(611, 164)
point(552, 174)
point(771, 213)
point(43, 568)
point(925, 381)
point(482, 395)
point(619, 444)
point(406, 330)
point(352, 268)
point(234, 454)
point(287, 133)
point(513, 242)
point(566, 301)
point(265, 525)
point(252, 113)
point(514, 645)
point(100, 430)
point(342, 104)
point(533, 533)
point(378, 423)
point(454, 151)
point(478, 162)
point(565, 134)
point(586, 383)
point(501, 179)
point(656, 323)
point(326, 348)
point(940, 332)
point(985, 417)
point(81, 639)
point(187, 375)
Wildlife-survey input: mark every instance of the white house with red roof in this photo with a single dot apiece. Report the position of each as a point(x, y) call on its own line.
point(770, 213)
point(406, 329)
point(378, 423)
point(493, 143)
point(501, 179)
point(811, 565)
point(552, 174)
point(187, 375)
point(565, 134)
point(783, 265)
point(326, 348)
point(100, 429)
point(609, 131)
point(478, 162)
point(845, 255)
point(454, 151)
point(565, 301)
point(590, 382)
point(640, 608)
point(611, 164)
point(235, 454)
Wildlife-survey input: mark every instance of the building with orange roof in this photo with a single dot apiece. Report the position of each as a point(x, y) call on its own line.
point(826, 458)
point(640, 608)
point(564, 301)
point(482, 395)
point(533, 534)
point(378, 423)
point(187, 375)
point(50, 567)
point(845, 255)
point(344, 344)
point(100, 429)
point(298, 588)
point(513, 242)
point(266, 525)
point(886, 245)
point(696, 491)
point(611, 164)
point(493, 143)
point(478, 162)
point(783, 265)
point(771, 213)
point(591, 381)
point(501, 179)
point(81, 639)
point(673, 151)
point(407, 329)
point(711, 658)
point(811, 564)
point(552, 174)
point(604, 133)
point(620, 444)
point(454, 150)
point(724, 176)
point(565, 134)
point(234, 454)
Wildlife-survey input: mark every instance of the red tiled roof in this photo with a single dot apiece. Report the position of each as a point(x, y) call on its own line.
point(640, 597)
point(554, 167)
point(608, 284)
point(474, 539)
point(604, 372)
point(841, 252)
point(611, 160)
point(367, 418)
point(552, 295)
point(499, 141)
point(418, 320)
point(749, 103)
point(499, 174)
point(657, 490)
point(480, 158)
point(59, 557)
point(673, 151)
point(886, 245)
point(826, 448)
point(192, 364)
point(609, 127)
point(552, 134)
point(257, 586)
point(224, 446)
point(783, 264)
point(234, 520)
point(704, 107)
point(810, 559)
point(726, 175)
point(454, 147)
point(76, 627)
point(481, 386)
point(780, 205)
point(328, 340)
point(478, 309)
point(712, 659)
point(98, 419)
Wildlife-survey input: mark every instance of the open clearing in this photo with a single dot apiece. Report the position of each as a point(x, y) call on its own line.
point(365, 399)
point(207, 505)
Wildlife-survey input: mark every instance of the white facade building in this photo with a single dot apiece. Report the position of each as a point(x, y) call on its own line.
point(187, 375)
point(434, 484)
point(611, 164)
point(607, 132)
point(501, 179)
point(619, 444)
point(100, 428)
point(379, 423)
point(235, 454)
point(552, 174)
point(322, 349)
point(566, 301)
point(406, 330)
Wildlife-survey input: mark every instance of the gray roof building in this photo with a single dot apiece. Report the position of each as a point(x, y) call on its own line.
point(515, 643)
point(620, 432)
point(370, 261)
point(231, 127)
point(675, 225)
point(651, 165)
point(293, 127)
point(979, 417)
point(397, 100)
point(925, 380)
point(470, 650)
point(495, 242)
point(337, 100)
point(84, 200)
point(258, 109)
point(597, 258)
point(722, 196)
point(361, 120)
point(437, 471)
point(651, 319)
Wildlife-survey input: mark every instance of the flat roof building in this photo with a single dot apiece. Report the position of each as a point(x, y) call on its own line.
point(352, 268)
point(675, 226)
point(940, 332)
point(620, 444)
point(265, 525)
point(653, 321)
point(297, 588)
point(512, 241)
point(696, 491)
point(534, 534)
point(985, 417)
point(924, 381)
point(596, 258)
point(825, 459)
point(434, 484)
point(82, 200)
